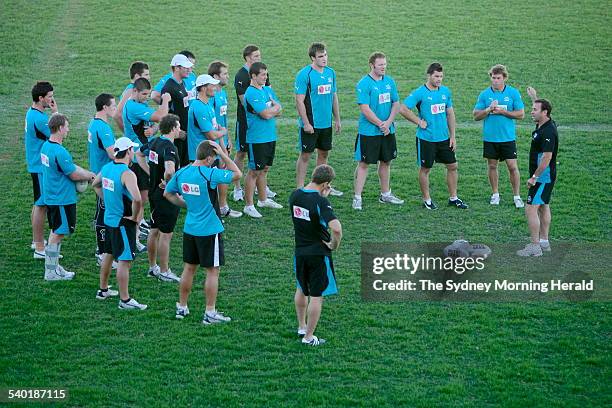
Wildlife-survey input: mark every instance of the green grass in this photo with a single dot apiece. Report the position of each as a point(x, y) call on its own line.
point(380, 354)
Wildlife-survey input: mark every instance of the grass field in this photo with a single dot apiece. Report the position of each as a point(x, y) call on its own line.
point(379, 354)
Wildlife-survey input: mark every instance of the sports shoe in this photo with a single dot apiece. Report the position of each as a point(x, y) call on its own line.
point(545, 246)
point(228, 212)
point(494, 199)
point(390, 199)
point(181, 312)
point(41, 255)
point(168, 276)
point(357, 203)
point(335, 193)
point(140, 248)
point(269, 203)
point(315, 341)
point(104, 294)
point(33, 245)
point(215, 317)
point(431, 205)
point(269, 193)
point(238, 194)
point(59, 274)
point(530, 250)
point(99, 258)
point(518, 202)
point(154, 271)
point(143, 232)
point(301, 332)
point(251, 211)
point(458, 203)
point(131, 304)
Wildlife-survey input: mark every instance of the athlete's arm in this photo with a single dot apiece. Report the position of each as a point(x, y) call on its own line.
point(450, 120)
point(544, 162)
point(411, 117)
point(216, 134)
point(336, 112)
point(336, 234)
point(480, 114)
point(271, 112)
point(532, 93)
point(229, 163)
point(175, 199)
point(301, 108)
point(142, 162)
point(156, 96)
point(97, 186)
point(386, 125)
point(517, 114)
point(128, 178)
point(80, 174)
point(163, 108)
point(370, 115)
point(119, 113)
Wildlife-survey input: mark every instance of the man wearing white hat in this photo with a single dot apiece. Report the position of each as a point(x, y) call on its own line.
point(116, 184)
point(179, 103)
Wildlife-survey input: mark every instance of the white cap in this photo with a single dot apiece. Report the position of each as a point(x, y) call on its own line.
point(179, 60)
point(124, 143)
point(206, 79)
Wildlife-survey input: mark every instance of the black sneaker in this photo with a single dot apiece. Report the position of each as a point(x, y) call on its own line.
point(430, 206)
point(458, 203)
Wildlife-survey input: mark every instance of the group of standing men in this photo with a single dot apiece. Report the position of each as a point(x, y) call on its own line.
point(178, 155)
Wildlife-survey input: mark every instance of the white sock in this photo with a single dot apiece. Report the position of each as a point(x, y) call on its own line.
point(428, 202)
point(357, 197)
point(453, 198)
point(250, 207)
point(224, 209)
point(495, 195)
point(387, 194)
point(544, 242)
point(517, 197)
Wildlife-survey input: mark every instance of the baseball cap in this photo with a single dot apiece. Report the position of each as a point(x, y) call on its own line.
point(206, 79)
point(179, 60)
point(124, 143)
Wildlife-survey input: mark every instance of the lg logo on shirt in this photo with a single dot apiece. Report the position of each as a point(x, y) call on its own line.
point(108, 184)
point(44, 159)
point(324, 89)
point(437, 108)
point(223, 110)
point(301, 213)
point(153, 157)
point(191, 189)
point(384, 98)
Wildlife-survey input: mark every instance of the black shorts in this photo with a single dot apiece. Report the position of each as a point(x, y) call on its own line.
point(204, 251)
point(372, 149)
point(62, 218)
point(241, 144)
point(261, 155)
point(428, 152)
point(320, 139)
point(182, 151)
point(540, 193)
point(315, 275)
point(37, 188)
point(99, 225)
point(163, 215)
point(141, 177)
point(499, 150)
point(121, 240)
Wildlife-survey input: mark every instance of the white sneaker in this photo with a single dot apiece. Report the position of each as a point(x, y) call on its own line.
point(33, 245)
point(181, 312)
point(494, 199)
point(269, 203)
point(390, 199)
point(335, 193)
point(154, 271)
point(59, 274)
point(215, 317)
point(168, 276)
point(518, 203)
point(140, 248)
point(545, 246)
point(41, 255)
point(315, 341)
point(301, 332)
point(131, 304)
point(269, 193)
point(238, 194)
point(101, 294)
point(530, 250)
point(99, 258)
point(228, 212)
point(251, 211)
point(356, 203)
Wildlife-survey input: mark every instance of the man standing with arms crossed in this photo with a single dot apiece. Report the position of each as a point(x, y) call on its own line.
point(435, 140)
point(202, 240)
point(316, 100)
point(242, 80)
point(36, 133)
point(59, 193)
point(500, 105)
point(313, 218)
point(543, 170)
point(378, 102)
point(262, 108)
point(118, 187)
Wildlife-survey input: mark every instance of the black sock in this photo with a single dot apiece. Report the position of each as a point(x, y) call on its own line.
point(127, 300)
point(103, 290)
